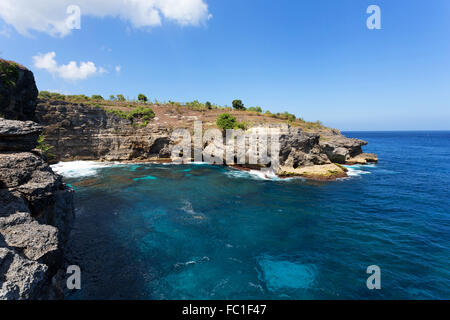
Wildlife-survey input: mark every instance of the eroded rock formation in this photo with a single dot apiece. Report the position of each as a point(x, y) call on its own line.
point(18, 91)
point(81, 132)
point(36, 211)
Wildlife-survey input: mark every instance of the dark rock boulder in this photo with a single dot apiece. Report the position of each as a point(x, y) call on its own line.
point(298, 149)
point(339, 148)
point(48, 200)
point(18, 135)
point(20, 278)
point(18, 91)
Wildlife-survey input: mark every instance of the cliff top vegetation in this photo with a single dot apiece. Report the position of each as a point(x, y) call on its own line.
point(173, 113)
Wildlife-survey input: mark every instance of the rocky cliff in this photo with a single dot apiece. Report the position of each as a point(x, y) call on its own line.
point(36, 212)
point(84, 132)
point(18, 92)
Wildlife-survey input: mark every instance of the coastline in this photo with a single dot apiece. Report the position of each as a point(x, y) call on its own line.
point(318, 173)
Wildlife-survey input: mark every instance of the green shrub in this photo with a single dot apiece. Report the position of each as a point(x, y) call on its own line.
point(238, 105)
point(9, 74)
point(208, 105)
point(142, 97)
point(196, 105)
point(289, 116)
point(78, 98)
point(44, 94)
point(118, 113)
point(45, 147)
point(241, 125)
point(120, 97)
point(141, 113)
point(255, 109)
point(226, 121)
point(51, 95)
point(97, 97)
point(112, 97)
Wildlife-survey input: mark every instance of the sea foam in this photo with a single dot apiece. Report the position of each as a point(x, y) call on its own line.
point(358, 170)
point(76, 169)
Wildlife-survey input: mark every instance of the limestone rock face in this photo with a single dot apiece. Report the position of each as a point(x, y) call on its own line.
point(298, 149)
point(80, 132)
point(36, 212)
point(18, 135)
point(26, 180)
point(339, 148)
point(20, 278)
point(35, 240)
point(18, 91)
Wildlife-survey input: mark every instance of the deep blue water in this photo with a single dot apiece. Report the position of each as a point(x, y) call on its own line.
point(204, 232)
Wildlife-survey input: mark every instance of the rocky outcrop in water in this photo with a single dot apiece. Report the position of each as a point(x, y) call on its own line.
point(343, 150)
point(18, 91)
point(36, 212)
point(83, 132)
point(298, 149)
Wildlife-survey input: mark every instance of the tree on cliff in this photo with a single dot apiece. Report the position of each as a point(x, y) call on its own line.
point(238, 105)
point(120, 97)
point(97, 97)
point(226, 121)
point(142, 97)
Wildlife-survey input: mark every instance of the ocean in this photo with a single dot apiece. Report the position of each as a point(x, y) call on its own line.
point(163, 231)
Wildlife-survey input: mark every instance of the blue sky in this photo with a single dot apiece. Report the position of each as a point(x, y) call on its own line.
point(316, 59)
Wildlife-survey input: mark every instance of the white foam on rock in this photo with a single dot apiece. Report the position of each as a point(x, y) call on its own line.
point(263, 174)
point(357, 170)
point(76, 169)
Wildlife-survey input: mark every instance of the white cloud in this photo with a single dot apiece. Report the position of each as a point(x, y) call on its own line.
point(70, 71)
point(50, 16)
point(118, 69)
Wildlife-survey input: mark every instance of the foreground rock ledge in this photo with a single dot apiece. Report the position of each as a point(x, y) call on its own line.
point(36, 212)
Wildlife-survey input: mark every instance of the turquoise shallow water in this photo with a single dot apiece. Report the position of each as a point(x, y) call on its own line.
point(205, 232)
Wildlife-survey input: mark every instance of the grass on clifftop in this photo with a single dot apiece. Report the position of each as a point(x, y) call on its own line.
point(134, 109)
point(9, 73)
point(144, 113)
